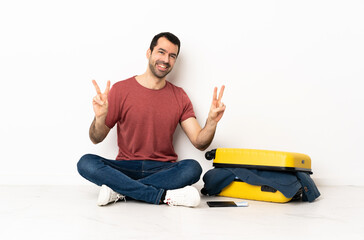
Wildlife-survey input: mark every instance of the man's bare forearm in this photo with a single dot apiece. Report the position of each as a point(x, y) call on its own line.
point(98, 130)
point(206, 135)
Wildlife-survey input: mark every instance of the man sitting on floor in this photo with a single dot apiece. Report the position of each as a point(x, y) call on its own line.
point(147, 109)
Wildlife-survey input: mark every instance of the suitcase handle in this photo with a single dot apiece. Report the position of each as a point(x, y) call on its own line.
point(210, 154)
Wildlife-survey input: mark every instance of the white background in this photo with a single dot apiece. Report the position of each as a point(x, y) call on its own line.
point(292, 70)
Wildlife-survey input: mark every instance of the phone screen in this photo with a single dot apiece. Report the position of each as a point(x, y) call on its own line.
point(221, 204)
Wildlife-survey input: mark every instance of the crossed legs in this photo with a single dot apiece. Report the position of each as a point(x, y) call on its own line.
point(142, 180)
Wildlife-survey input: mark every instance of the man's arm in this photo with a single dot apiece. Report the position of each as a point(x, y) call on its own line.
point(98, 130)
point(201, 138)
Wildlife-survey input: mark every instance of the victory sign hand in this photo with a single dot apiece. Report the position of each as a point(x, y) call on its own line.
point(99, 102)
point(217, 107)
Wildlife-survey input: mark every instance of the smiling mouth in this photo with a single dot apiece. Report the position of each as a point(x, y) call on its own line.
point(163, 66)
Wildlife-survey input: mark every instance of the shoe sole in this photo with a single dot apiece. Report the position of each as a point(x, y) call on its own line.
point(104, 195)
point(194, 191)
point(192, 202)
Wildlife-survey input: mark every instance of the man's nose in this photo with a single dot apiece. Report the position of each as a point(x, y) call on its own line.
point(165, 58)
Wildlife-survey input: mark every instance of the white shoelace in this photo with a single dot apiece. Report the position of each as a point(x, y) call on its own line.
point(120, 197)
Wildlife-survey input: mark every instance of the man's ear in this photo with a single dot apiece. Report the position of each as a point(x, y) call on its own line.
point(149, 52)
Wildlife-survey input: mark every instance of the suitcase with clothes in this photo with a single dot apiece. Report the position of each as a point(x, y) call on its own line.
point(261, 175)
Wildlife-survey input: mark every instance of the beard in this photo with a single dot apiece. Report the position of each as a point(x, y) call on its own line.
point(158, 73)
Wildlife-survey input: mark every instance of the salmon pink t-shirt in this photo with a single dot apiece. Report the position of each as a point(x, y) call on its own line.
point(146, 119)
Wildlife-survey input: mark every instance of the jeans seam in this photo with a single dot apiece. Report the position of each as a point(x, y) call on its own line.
point(159, 196)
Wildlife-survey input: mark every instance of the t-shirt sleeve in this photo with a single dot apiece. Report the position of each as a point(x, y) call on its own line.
point(187, 111)
point(113, 114)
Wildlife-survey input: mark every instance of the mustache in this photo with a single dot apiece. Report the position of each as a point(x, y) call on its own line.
point(164, 63)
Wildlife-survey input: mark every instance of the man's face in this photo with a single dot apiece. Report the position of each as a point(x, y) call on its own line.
point(163, 57)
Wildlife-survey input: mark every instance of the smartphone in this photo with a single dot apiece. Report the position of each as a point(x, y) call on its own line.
point(221, 204)
point(226, 204)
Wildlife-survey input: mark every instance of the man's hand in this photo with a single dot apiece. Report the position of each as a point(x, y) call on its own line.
point(217, 108)
point(202, 138)
point(98, 129)
point(99, 102)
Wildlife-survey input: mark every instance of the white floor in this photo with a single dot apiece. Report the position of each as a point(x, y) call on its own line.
point(70, 212)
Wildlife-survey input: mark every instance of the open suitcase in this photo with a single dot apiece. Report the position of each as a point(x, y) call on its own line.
point(261, 160)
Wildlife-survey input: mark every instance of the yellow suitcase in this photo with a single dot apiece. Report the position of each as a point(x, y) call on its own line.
point(240, 189)
point(262, 160)
point(259, 159)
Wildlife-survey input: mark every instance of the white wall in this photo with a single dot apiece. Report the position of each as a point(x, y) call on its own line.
point(292, 70)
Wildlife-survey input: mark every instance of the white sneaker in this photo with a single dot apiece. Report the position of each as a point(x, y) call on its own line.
point(107, 195)
point(187, 196)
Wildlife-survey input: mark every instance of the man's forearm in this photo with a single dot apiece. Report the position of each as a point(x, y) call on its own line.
point(206, 135)
point(98, 130)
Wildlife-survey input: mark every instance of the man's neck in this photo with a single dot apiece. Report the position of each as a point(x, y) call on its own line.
point(150, 81)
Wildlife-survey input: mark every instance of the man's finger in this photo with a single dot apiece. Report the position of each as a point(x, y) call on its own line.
point(221, 93)
point(215, 94)
point(96, 87)
point(220, 108)
point(107, 88)
point(98, 100)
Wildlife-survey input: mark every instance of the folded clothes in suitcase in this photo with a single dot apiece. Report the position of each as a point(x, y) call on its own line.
point(259, 175)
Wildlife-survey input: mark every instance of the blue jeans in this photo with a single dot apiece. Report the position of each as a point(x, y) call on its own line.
point(142, 180)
